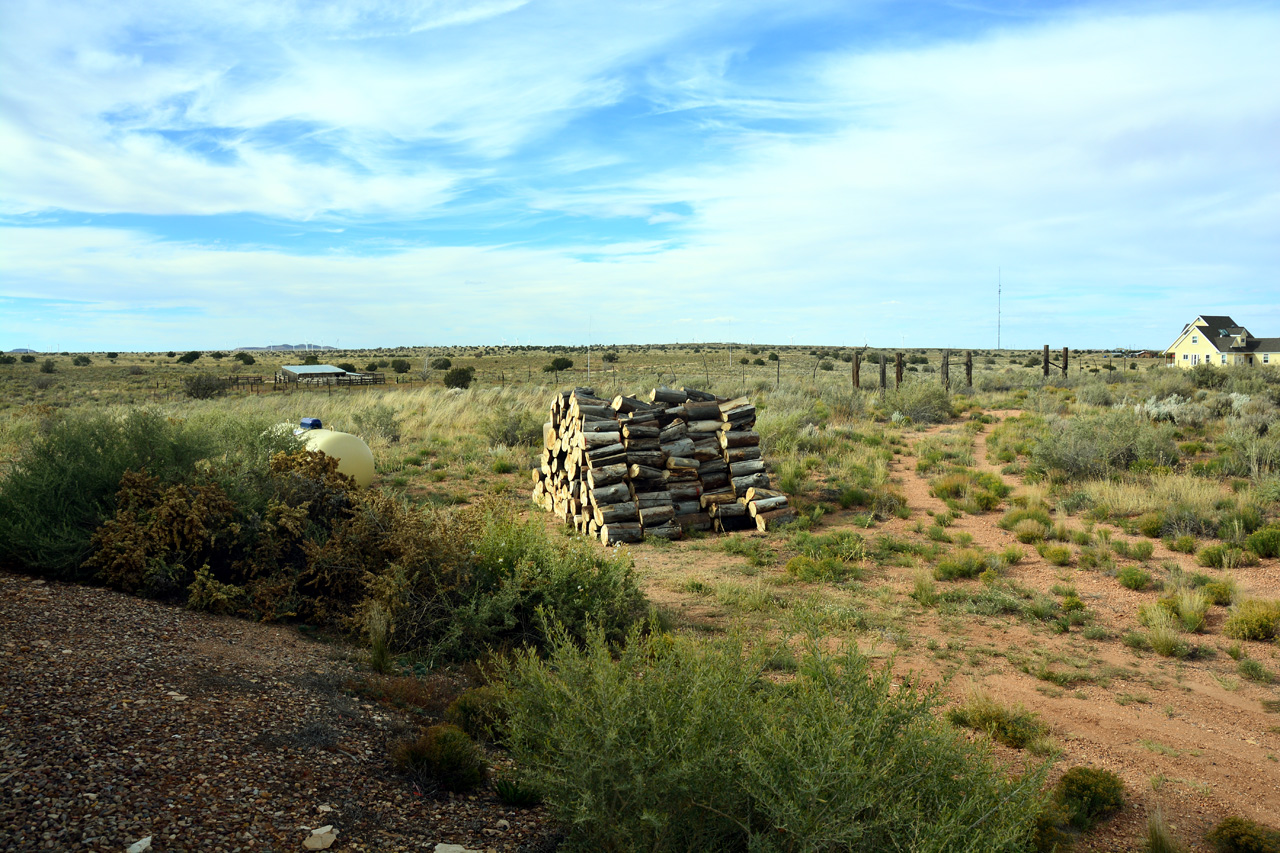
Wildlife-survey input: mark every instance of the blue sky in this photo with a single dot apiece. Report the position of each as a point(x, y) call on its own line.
point(386, 173)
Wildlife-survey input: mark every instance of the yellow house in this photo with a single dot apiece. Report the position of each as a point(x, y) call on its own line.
point(1221, 341)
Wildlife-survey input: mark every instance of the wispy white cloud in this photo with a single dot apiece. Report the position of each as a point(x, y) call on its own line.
point(1120, 168)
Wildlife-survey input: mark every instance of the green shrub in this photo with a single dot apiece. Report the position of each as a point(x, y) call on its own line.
point(1265, 542)
point(347, 366)
point(479, 712)
point(1241, 835)
point(1184, 544)
point(377, 421)
point(809, 570)
point(1255, 671)
point(459, 377)
point(1014, 516)
point(48, 366)
point(441, 757)
point(1225, 557)
point(1150, 524)
point(1134, 578)
point(27, 359)
point(512, 429)
point(203, 386)
point(1029, 531)
point(1142, 551)
point(513, 791)
point(189, 358)
point(966, 563)
point(400, 365)
point(1221, 592)
point(1012, 726)
point(63, 485)
point(670, 744)
point(440, 363)
point(924, 402)
point(1099, 444)
point(1253, 619)
point(1058, 555)
point(8, 359)
point(1089, 794)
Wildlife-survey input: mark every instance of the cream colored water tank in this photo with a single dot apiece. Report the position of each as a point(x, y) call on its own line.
point(355, 459)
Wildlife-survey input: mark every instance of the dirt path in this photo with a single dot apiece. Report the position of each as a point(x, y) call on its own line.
point(1189, 736)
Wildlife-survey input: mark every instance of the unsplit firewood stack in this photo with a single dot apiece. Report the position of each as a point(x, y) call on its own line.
point(624, 469)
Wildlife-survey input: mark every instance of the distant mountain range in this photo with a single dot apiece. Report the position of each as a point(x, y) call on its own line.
point(288, 348)
point(22, 349)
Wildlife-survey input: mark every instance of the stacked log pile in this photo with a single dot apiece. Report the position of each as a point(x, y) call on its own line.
point(624, 469)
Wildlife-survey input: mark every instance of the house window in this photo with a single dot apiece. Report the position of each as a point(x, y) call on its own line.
point(1185, 356)
point(1195, 358)
point(1266, 358)
point(1224, 358)
point(1195, 339)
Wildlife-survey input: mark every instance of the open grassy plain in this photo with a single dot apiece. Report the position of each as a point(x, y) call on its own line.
point(1087, 568)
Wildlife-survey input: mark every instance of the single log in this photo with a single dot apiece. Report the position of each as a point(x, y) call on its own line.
point(537, 475)
point(766, 504)
point(606, 476)
point(754, 494)
point(592, 440)
point(741, 454)
point(703, 411)
point(549, 435)
point(735, 403)
point(706, 451)
point(741, 484)
point(738, 413)
point(623, 404)
point(603, 461)
point(705, 426)
point(731, 524)
point(679, 412)
point(605, 411)
point(644, 472)
point(676, 463)
point(623, 531)
point(656, 515)
point(616, 493)
point(687, 507)
point(634, 430)
point(739, 439)
point(673, 431)
point(679, 447)
point(683, 475)
point(665, 531)
point(769, 520)
point(700, 396)
point(642, 444)
point(690, 491)
point(609, 513)
point(594, 425)
point(745, 468)
point(667, 395)
point(644, 500)
point(731, 509)
point(650, 417)
point(712, 498)
point(651, 458)
point(596, 453)
point(700, 521)
point(741, 421)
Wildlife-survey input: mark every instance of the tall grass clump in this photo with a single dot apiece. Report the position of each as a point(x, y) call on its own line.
point(1253, 619)
point(924, 402)
point(1013, 726)
point(666, 744)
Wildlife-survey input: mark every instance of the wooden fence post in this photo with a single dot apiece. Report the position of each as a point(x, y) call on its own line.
point(946, 370)
point(968, 369)
point(1064, 362)
point(884, 375)
point(1046, 361)
point(857, 370)
point(897, 370)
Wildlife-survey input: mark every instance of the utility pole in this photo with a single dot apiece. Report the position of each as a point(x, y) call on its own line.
point(999, 292)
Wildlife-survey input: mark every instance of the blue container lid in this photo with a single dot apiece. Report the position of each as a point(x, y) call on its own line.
point(311, 423)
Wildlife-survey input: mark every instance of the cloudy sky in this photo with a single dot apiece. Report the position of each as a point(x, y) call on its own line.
point(366, 173)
